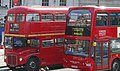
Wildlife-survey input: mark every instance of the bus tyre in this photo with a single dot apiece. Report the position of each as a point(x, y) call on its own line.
point(32, 65)
point(116, 65)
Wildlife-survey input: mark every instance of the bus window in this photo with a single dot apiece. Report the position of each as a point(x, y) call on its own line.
point(79, 18)
point(119, 19)
point(78, 23)
point(34, 43)
point(47, 17)
point(47, 43)
point(8, 42)
point(115, 46)
point(60, 17)
point(59, 41)
point(77, 47)
point(33, 18)
point(114, 19)
point(102, 19)
point(11, 17)
point(20, 17)
point(19, 42)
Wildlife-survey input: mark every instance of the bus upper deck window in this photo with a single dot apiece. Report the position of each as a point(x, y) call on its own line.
point(11, 17)
point(115, 19)
point(79, 18)
point(60, 17)
point(102, 19)
point(20, 17)
point(47, 17)
point(33, 18)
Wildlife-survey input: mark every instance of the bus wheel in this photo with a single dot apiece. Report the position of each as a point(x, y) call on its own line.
point(116, 65)
point(32, 65)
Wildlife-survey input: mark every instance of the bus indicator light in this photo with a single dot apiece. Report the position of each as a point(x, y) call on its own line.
point(28, 41)
point(94, 44)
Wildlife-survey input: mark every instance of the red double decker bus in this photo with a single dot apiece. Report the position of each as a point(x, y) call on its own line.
point(34, 36)
point(92, 38)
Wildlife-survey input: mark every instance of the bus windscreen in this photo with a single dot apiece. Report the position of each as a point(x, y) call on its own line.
point(77, 47)
point(78, 23)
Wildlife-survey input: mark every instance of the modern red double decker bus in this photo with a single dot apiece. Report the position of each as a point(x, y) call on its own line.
point(34, 36)
point(92, 38)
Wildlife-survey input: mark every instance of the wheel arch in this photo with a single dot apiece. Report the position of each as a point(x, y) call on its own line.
point(115, 59)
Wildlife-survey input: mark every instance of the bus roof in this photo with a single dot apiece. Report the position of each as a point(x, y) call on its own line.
point(95, 7)
point(40, 9)
point(49, 8)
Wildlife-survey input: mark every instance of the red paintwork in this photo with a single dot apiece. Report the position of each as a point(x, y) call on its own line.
point(79, 62)
point(1, 46)
point(111, 32)
point(47, 56)
point(40, 27)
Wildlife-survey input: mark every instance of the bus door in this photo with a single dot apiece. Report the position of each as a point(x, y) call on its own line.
point(58, 58)
point(47, 52)
point(101, 55)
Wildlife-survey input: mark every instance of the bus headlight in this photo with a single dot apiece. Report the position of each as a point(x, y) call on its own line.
point(5, 57)
point(65, 60)
point(21, 59)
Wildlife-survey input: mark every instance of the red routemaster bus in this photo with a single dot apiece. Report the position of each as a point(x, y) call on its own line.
point(34, 36)
point(92, 38)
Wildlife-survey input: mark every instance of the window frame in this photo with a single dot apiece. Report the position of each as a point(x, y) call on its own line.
point(45, 2)
point(23, 18)
point(6, 38)
point(111, 52)
point(57, 15)
point(45, 19)
point(107, 21)
point(32, 41)
point(25, 44)
point(52, 40)
point(71, 45)
point(33, 14)
point(13, 19)
point(118, 19)
point(63, 2)
point(57, 43)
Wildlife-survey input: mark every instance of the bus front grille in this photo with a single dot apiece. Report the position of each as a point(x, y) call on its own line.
point(12, 60)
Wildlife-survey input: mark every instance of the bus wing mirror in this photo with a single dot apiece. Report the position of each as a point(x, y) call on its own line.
point(5, 19)
point(94, 44)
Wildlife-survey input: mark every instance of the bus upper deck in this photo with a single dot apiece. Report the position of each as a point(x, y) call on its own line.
point(38, 19)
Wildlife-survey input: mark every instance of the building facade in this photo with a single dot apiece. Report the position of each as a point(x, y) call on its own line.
point(7, 4)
